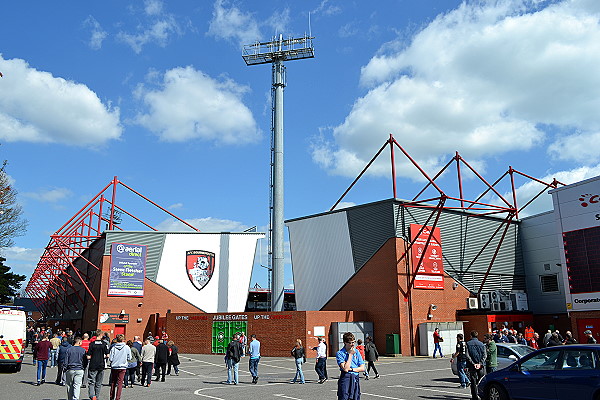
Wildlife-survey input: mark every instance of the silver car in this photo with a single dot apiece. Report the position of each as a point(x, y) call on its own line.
point(508, 353)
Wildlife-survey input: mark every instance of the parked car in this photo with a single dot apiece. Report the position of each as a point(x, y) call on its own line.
point(559, 372)
point(508, 353)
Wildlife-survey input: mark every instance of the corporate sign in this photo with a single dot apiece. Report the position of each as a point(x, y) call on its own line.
point(127, 270)
point(428, 257)
point(577, 210)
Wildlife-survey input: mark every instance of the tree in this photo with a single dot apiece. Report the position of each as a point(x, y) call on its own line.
point(11, 222)
point(9, 282)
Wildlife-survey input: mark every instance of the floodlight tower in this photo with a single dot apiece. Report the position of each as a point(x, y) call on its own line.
point(276, 52)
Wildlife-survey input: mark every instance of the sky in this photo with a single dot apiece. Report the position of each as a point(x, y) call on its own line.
point(157, 93)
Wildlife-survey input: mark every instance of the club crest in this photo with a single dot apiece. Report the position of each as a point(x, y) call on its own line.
point(200, 266)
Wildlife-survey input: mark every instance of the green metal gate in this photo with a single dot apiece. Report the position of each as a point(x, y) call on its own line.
point(222, 333)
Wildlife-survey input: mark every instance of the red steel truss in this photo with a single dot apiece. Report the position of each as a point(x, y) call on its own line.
point(56, 282)
point(505, 208)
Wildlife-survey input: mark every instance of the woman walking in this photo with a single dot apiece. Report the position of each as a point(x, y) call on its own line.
point(136, 360)
point(300, 357)
point(371, 355)
point(173, 359)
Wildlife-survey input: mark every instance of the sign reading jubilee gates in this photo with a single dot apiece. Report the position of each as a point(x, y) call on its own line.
point(127, 270)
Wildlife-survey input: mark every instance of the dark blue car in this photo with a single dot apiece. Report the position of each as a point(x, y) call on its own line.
point(562, 372)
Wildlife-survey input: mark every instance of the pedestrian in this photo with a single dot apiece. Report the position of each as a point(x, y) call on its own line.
point(75, 363)
point(244, 342)
point(554, 340)
point(535, 341)
point(119, 357)
point(590, 337)
point(300, 358)
point(569, 339)
point(371, 355)
point(54, 350)
point(232, 359)
point(521, 339)
point(148, 353)
point(61, 377)
point(137, 343)
point(97, 354)
point(547, 337)
point(461, 360)
point(160, 360)
point(351, 365)
point(136, 359)
point(254, 353)
point(361, 349)
point(475, 362)
point(173, 359)
point(511, 337)
point(491, 359)
point(42, 351)
point(437, 338)
point(321, 361)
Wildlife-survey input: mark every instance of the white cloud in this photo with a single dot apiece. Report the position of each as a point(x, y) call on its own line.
point(35, 106)
point(21, 254)
point(175, 206)
point(50, 195)
point(279, 21)
point(325, 8)
point(189, 104)
point(207, 224)
point(158, 32)
point(484, 79)
point(580, 147)
point(153, 7)
point(97, 33)
point(231, 23)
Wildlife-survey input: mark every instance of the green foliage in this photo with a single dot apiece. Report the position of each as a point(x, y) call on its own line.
point(11, 222)
point(9, 283)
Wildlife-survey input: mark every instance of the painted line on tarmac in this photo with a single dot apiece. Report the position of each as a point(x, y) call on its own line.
point(415, 372)
point(205, 395)
point(431, 390)
point(276, 366)
point(374, 395)
point(286, 397)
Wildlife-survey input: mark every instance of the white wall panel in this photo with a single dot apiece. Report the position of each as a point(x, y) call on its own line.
point(321, 258)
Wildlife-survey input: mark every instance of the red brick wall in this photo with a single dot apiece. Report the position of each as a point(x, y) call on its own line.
point(156, 300)
point(380, 289)
point(277, 331)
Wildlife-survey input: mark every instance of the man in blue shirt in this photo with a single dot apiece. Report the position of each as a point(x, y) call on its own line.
point(351, 365)
point(254, 352)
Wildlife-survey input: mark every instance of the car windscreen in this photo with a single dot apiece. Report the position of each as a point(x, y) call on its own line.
point(522, 350)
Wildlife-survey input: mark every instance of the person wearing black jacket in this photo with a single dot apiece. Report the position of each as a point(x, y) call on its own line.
point(300, 358)
point(461, 360)
point(173, 359)
point(475, 362)
point(160, 360)
point(97, 354)
point(232, 359)
point(371, 355)
point(62, 352)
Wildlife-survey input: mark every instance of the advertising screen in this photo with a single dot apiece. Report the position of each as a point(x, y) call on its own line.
point(127, 270)
point(428, 257)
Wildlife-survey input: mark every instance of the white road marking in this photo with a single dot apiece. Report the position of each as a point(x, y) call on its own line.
point(379, 395)
point(286, 397)
point(205, 395)
point(432, 390)
point(415, 372)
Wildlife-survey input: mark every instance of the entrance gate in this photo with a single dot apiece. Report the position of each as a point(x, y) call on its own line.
point(222, 333)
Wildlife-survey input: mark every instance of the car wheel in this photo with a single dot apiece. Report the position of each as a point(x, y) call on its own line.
point(496, 392)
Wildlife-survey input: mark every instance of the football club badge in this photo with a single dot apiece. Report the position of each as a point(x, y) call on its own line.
point(200, 266)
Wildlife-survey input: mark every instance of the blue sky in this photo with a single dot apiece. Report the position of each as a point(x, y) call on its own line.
point(157, 94)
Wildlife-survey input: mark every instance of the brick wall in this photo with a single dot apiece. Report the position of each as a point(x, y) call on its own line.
point(380, 289)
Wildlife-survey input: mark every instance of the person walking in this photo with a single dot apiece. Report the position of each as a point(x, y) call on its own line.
point(136, 360)
point(569, 339)
point(475, 362)
point(300, 358)
point(254, 353)
point(351, 365)
point(244, 342)
point(589, 337)
point(161, 359)
point(491, 360)
point(97, 354)
point(118, 357)
point(61, 377)
point(173, 359)
point(361, 349)
point(321, 362)
point(461, 360)
point(42, 351)
point(371, 355)
point(54, 350)
point(75, 363)
point(437, 338)
point(148, 354)
point(137, 343)
point(232, 359)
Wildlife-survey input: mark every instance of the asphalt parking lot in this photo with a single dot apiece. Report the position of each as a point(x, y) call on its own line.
point(203, 377)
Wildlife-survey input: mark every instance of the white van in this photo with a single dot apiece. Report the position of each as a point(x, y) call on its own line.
point(13, 326)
